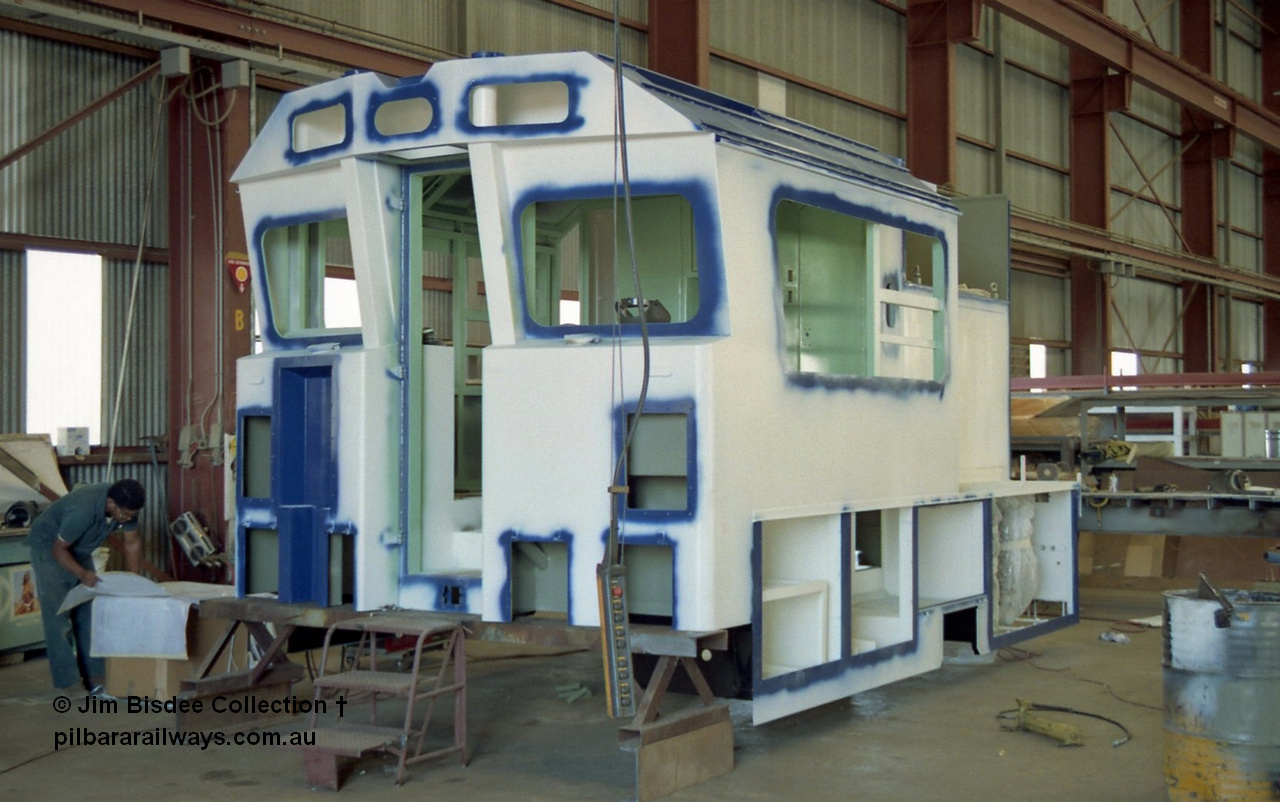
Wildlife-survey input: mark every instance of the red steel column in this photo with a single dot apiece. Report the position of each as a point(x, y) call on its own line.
point(933, 28)
point(209, 319)
point(1271, 184)
point(680, 39)
point(1095, 93)
point(1204, 144)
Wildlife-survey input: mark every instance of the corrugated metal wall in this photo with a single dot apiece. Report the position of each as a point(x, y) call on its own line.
point(1154, 21)
point(1142, 146)
point(1241, 338)
point(1040, 308)
point(144, 397)
point(87, 183)
point(1145, 318)
point(13, 324)
point(857, 48)
point(532, 26)
point(1023, 108)
point(1238, 47)
point(736, 81)
point(437, 25)
point(977, 117)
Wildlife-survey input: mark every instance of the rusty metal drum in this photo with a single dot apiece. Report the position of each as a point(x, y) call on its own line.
point(1222, 696)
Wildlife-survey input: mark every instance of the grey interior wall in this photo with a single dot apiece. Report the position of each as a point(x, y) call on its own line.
point(13, 340)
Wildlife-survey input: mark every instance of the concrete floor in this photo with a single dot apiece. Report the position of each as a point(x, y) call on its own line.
point(929, 738)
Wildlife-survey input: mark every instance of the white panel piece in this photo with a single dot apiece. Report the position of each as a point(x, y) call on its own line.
point(823, 444)
point(945, 534)
point(1255, 434)
point(771, 93)
point(1232, 434)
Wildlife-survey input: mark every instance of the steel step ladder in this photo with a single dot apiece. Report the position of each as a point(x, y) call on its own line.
point(366, 682)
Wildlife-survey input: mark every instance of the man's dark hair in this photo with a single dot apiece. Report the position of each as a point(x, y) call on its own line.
point(128, 494)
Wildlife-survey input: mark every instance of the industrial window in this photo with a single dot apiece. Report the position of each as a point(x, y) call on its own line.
point(310, 281)
point(64, 342)
point(1126, 363)
point(859, 298)
point(322, 128)
point(658, 462)
point(577, 263)
point(522, 103)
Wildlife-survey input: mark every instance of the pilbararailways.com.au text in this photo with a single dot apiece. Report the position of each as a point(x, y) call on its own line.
point(163, 736)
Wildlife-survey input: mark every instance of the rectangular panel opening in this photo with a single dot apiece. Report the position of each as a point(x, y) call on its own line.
point(308, 472)
point(342, 570)
point(1033, 569)
point(262, 563)
point(859, 298)
point(880, 596)
point(322, 128)
point(658, 462)
point(305, 264)
point(800, 570)
point(950, 561)
point(650, 583)
point(539, 579)
point(410, 115)
point(574, 251)
point(255, 457)
point(526, 103)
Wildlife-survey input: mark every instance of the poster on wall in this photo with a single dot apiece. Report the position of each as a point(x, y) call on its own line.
point(23, 581)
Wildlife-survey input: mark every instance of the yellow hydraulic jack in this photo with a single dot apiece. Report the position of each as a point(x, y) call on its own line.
point(1064, 734)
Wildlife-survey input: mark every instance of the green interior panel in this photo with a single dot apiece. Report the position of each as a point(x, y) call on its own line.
point(255, 456)
point(825, 282)
point(657, 462)
point(262, 565)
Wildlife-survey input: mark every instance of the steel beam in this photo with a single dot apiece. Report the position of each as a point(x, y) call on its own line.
point(1201, 142)
point(933, 29)
point(106, 100)
point(1177, 515)
point(1094, 95)
point(209, 319)
point(1088, 30)
point(1092, 243)
point(226, 24)
point(1271, 184)
point(680, 39)
point(158, 37)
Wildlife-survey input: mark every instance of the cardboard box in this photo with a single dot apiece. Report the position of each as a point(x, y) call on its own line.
point(153, 636)
point(160, 678)
point(73, 441)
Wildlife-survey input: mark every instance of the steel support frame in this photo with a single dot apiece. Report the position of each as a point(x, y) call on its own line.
point(221, 23)
point(1204, 143)
point(1271, 185)
point(680, 39)
point(1084, 28)
point(1212, 113)
point(1095, 93)
point(210, 323)
point(934, 27)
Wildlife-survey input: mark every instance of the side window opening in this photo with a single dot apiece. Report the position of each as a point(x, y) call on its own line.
point(577, 265)
point(859, 298)
point(309, 276)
